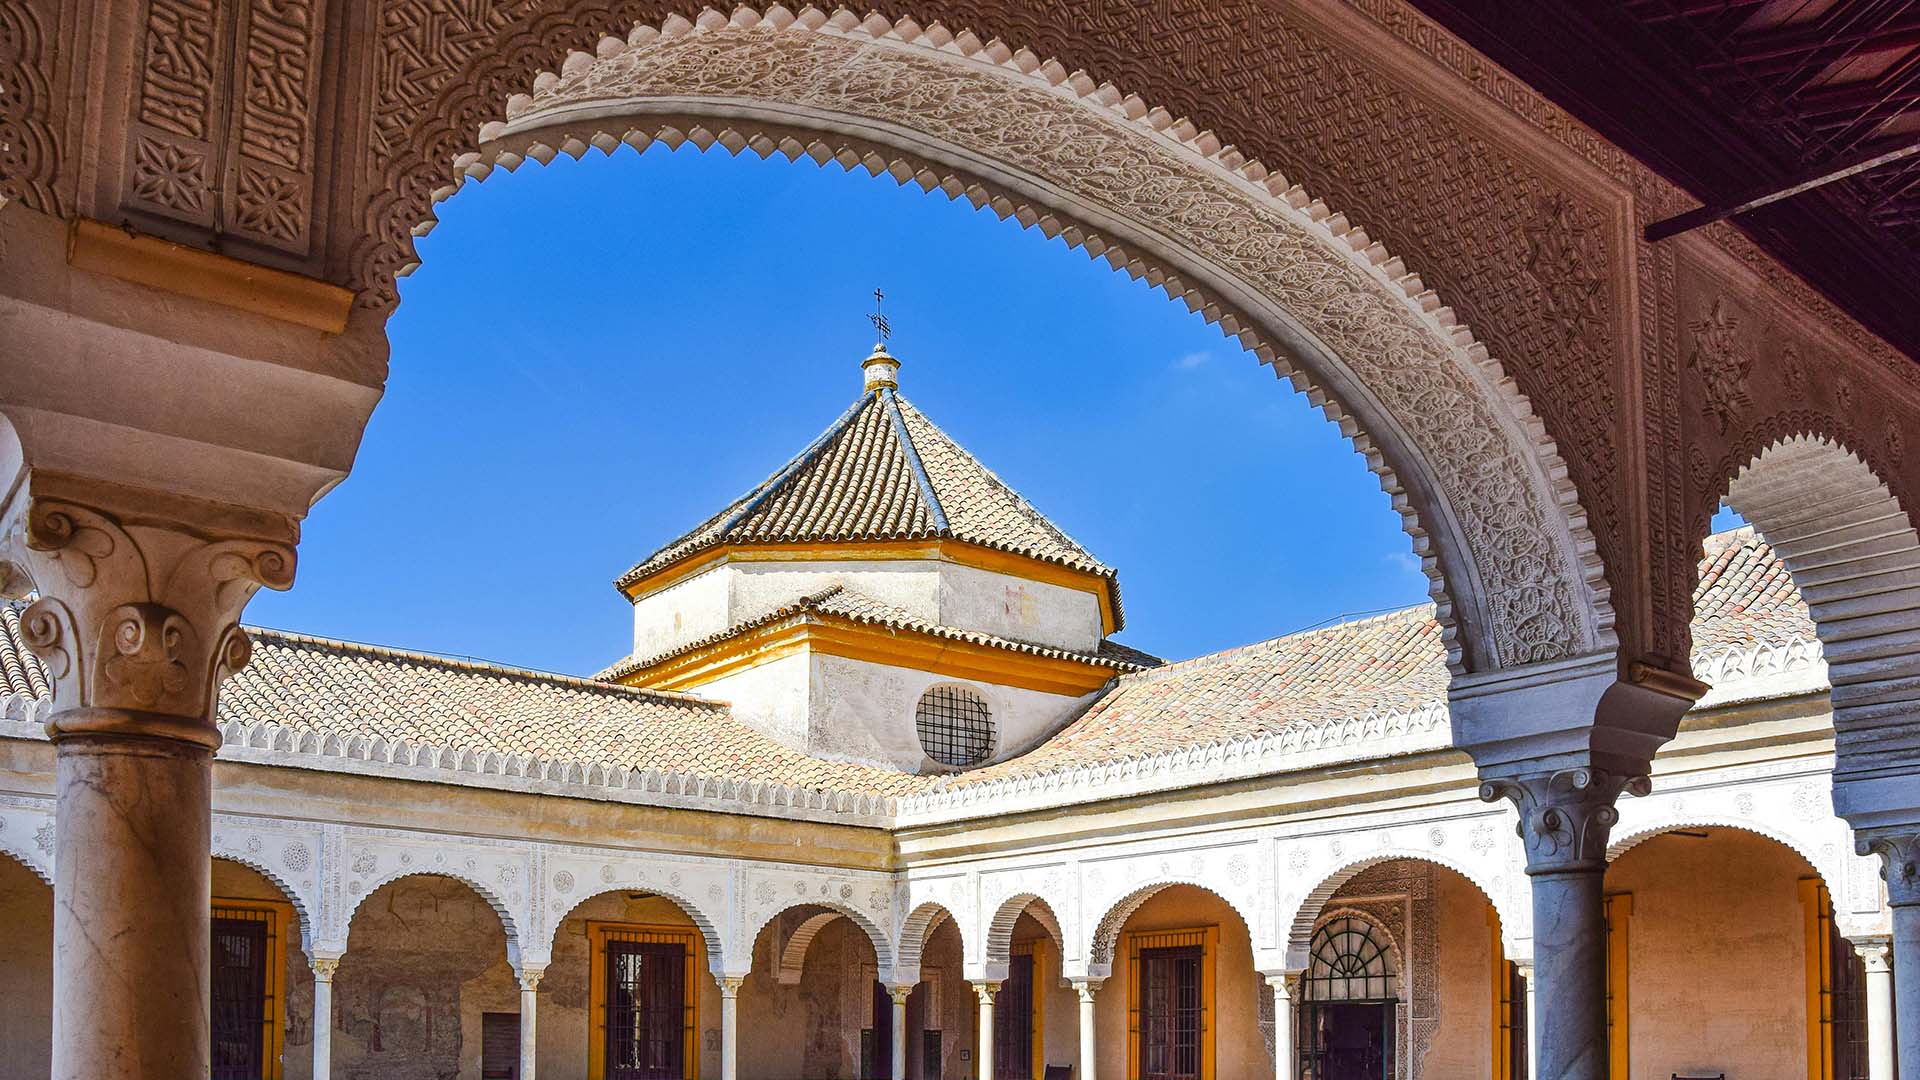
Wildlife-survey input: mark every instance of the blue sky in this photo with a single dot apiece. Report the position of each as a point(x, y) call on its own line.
point(595, 355)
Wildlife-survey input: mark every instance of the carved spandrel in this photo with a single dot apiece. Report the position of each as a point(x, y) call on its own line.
point(224, 131)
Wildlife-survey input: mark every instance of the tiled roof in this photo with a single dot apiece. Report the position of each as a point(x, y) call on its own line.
point(845, 603)
point(1381, 664)
point(1745, 596)
point(1384, 664)
point(883, 471)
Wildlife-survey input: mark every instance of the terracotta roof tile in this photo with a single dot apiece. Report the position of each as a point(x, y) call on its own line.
point(883, 471)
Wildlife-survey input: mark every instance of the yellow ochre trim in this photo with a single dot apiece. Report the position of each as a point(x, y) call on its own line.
point(831, 635)
point(221, 279)
point(277, 915)
point(1502, 1002)
point(958, 552)
point(1619, 912)
point(1816, 909)
point(1133, 942)
point(598, 933)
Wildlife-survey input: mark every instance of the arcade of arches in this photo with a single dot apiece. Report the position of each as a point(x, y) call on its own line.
point(873, 789)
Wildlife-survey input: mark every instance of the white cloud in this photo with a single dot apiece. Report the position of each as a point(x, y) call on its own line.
point(1192, 360)
point(1406, 561)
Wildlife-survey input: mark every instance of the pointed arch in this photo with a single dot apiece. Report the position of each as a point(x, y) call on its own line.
point(1852, 551)
point(999, 942)
point(1308, 916)
point(883, 954)
point(710, 935)
point(915, 931)
point(1105, 936)
point(1483, 490)
point(507, 923)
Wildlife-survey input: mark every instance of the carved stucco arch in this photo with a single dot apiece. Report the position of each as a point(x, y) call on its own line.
point(710, 935)
point(1852, 551)
point(792, 961)
point(1104, 938)
point(882, 948)
point(1480, 486)
point(487, 896)
point(1833, 876)
point(33, 865)
point(1313, 907)
point(915, 930)
point(999, 935)
point(303, 905)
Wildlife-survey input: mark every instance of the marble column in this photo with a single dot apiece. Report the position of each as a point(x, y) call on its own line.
point(1089, 1028)
point(1283, 1056)
point(1899, 852)
point(137, 621)
point(529, 1024)
point(900, 994)
point(985, 991)
point(730, 1027)
point(1565, 818)
point(323, 969)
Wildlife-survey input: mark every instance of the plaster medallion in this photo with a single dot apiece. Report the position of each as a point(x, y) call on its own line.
point(563, 882)
point(297, 856)
point(364, 863)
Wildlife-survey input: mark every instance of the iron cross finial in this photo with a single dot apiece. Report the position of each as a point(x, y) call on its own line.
point(878, 318)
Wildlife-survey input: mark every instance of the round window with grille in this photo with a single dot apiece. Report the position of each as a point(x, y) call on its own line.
point(955, 727)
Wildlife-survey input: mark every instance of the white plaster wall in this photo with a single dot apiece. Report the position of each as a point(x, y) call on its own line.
point(912, 585)
point(682, 612)
point(774, 698)
point(865, 711)
point(1016, 608)
point(927, 589)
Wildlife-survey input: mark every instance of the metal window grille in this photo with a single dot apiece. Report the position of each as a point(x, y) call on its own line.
point(1350, 963)
point(240, 1007)
point(955, 727)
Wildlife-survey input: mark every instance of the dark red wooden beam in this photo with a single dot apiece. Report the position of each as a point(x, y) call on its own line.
point(1786, 189)
point(1774, 52)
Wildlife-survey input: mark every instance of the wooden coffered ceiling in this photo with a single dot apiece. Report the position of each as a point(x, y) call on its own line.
point(1798, 120)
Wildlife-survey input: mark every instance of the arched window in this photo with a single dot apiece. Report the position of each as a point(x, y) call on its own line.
point(955, 726)
point(1349, 963)
point(1348, 1018)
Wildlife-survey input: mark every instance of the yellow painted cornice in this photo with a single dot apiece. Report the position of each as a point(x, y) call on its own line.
point(958, 552)
point(829, 635)
point(204, 275)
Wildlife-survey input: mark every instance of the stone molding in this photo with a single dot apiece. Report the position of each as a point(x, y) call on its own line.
point(1899, 853)
point(1316, 291)
point(1276, 877)
point(1764, 670)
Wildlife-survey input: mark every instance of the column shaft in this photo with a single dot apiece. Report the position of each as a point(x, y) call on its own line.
point(985, 991)
point(1569, 962)
point(899, 994)
point(730, 1028)
point(131, 925)
point(323, 969)
point(529, 1022)
point(1879, 1009)
point(1282, 1029)
point(1089, 1031)
point(1906, 987)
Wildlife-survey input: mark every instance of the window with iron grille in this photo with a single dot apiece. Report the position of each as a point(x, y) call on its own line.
point(955, 726)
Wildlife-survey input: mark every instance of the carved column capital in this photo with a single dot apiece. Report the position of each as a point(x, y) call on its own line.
point(138, 601)
point(530, 976)
point(1565, 815)
point(324, 968)
point(1876, 953)
point(1899, 862)
point(1086, 988)
point(986, 991)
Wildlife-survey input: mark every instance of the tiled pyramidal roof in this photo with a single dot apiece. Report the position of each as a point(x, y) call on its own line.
point(883, 471)
point(1387, 665)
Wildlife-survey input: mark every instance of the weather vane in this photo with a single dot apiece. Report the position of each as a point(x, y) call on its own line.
point(879, 319)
